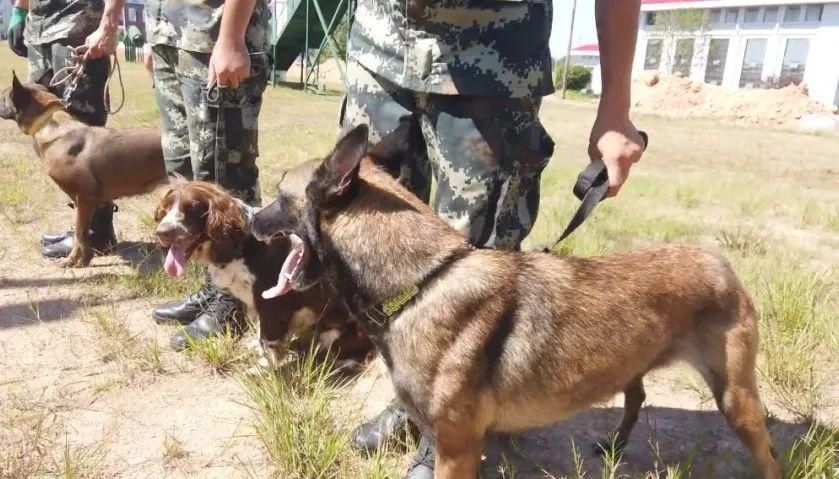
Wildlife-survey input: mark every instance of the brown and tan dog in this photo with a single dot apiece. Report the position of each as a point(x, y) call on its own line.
point(485, 340)
point(91, 164)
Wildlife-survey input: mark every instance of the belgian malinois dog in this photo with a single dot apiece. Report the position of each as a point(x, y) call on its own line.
point(481, 340)
point(91, 164)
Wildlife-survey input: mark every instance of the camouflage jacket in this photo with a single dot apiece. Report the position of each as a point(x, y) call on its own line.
point(71, 20)
point(193, 25)
point(466, 47)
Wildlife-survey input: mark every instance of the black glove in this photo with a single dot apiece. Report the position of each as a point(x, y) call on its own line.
point(18, 25)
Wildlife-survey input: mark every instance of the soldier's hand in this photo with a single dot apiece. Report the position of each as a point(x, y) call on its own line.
point(615, 140)
point(17, 24)
point(102, 42)
point(230, 64)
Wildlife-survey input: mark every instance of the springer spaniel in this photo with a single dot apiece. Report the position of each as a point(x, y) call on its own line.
point(200, 221)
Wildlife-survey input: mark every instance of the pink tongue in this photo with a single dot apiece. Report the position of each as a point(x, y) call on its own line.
point(283, 285)
point(175, 263)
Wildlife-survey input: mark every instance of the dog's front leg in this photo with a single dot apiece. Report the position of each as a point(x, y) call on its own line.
point(82, 252)
point(458, 451)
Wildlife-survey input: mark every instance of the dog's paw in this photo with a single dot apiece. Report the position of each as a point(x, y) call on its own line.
point(78, 258)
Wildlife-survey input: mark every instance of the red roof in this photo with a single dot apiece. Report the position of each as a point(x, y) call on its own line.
point(588, 47)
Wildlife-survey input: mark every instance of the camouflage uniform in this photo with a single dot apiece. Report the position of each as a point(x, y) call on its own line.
point(473, 72)
point(53, 28)
point(207, 135)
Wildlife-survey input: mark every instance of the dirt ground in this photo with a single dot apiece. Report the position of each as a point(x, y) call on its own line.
point(65, 398)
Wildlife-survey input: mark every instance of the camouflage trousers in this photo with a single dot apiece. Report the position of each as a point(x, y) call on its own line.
point(87, 102)
point(486, 153)
point(209, 134)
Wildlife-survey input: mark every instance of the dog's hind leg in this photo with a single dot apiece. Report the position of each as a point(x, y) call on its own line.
point(633, 398)
point(82, 252)
point(729, 356)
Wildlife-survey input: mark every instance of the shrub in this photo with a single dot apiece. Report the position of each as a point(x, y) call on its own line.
point(579, 77)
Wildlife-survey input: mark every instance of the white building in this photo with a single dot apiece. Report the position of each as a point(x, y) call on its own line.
point(744, 43)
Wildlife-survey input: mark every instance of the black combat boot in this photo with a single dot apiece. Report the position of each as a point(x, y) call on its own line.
point(50, 238)
point(422, 467)
point(101, 234)
point(391, 427)
point(186, 310)
point(222, 312)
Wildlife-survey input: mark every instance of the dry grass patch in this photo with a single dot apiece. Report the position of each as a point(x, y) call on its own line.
point(118, 344)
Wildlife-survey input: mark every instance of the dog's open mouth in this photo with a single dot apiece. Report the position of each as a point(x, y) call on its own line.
point(294, 262)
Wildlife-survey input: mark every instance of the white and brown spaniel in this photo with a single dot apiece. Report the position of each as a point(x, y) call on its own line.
point(200, 221)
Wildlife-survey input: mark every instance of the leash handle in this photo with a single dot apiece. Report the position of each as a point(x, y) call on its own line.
point(591, 188)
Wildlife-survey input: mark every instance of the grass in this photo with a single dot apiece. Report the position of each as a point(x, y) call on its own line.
point(223, 353)
point(295, 421)
point(173, 449)
point(814, 456)
point(116, 343)
point(35, 442)
point(796, 315)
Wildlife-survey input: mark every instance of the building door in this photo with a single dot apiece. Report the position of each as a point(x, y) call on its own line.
point(717, 53)
point(753, 60)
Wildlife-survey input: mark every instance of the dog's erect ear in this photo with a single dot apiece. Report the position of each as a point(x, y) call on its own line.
point(20, 95)
point(342, 164)
point(392, 150)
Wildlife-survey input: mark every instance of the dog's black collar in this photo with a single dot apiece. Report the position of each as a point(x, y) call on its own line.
point(382, 314)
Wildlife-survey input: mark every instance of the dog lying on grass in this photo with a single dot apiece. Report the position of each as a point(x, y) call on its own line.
point(91, 164)
point(200, 221)
point(485, 340)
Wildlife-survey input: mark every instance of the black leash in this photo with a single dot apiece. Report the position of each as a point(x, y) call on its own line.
point(591, 187)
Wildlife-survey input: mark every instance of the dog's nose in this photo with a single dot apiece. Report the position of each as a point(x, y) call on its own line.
point(166, 233)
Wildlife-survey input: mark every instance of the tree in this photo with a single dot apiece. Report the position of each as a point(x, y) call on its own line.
point(579, 77)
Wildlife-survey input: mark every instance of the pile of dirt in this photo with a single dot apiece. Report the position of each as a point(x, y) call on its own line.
point(680, 97)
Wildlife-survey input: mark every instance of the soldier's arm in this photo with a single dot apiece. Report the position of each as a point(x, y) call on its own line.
point(103, 41)
point(24, 4)
point(230, 63)
point(614, 138)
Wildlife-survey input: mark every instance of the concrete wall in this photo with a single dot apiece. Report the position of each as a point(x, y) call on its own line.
point(822, 64)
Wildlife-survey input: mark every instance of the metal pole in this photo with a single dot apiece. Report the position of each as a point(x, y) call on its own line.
point(274, 50)
point(568, 51)
point(305, 64)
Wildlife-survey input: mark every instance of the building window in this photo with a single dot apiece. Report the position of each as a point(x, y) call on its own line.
point(714, 15)
point(132, 15)
point(751, 15)
point(683, 57)
point(652, 59)
point(770, 15)
point(813, 13)
point(753, 59)
point(792, 14)
point(731, 15)
point(717, 52)
point(795, 61)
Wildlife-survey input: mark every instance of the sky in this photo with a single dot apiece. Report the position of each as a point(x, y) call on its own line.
point(584, 29)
